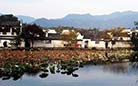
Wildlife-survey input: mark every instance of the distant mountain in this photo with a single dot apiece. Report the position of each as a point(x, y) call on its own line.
point(26, 19)
point(116, 19)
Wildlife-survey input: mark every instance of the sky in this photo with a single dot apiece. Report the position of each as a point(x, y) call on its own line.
point(60, 8)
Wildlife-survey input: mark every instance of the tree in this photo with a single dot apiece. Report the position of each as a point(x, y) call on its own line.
point(105, 35)
point(17, 41)
point(70, 38)
point(134, 38)
point(31, 33)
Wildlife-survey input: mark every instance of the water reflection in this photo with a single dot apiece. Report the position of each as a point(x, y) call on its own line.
point(122, 68)
point(119, 74)
point(117, 68)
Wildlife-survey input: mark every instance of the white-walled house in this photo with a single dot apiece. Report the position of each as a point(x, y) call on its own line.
point(88, 43)
point(120, 42)
point(48, 44)
point(9, 30)
point(8, 36)
point(53, 40)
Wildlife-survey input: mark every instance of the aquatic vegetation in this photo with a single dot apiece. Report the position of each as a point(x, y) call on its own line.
point(75, 75)
point(14, 64)
point(16, 70)
point(43, 75)
point(52, 68)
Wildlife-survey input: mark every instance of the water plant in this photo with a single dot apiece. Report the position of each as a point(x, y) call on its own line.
point(13, 64)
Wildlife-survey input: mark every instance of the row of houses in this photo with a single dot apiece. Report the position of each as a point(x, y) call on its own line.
point(52, 39)
point(83, 41)
point(10, 30)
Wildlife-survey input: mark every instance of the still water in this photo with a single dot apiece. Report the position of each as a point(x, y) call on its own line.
point(119, 74)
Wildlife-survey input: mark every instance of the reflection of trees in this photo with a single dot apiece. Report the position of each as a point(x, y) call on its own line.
point(117, 68)
point(133, 56)
point(134, 66)
point(122, 68)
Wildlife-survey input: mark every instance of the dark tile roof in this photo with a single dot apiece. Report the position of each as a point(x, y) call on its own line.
point(53, 36)
point(90, 36)
point(10, 23)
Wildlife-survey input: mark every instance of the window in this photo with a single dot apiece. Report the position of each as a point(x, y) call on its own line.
point(4, 33)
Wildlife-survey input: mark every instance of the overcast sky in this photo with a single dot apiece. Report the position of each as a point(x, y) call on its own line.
point(60, 8)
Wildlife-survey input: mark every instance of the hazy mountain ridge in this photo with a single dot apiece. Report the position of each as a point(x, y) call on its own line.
point(116, 19)
point(26, 19)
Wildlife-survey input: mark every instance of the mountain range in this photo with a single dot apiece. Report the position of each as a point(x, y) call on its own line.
point(116, 19)
point(26, 19)
point(124, 19)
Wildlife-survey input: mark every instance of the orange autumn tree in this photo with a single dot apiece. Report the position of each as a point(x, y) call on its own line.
point(69, 37)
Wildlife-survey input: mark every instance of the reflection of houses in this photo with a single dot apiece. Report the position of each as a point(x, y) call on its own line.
point(10, 26)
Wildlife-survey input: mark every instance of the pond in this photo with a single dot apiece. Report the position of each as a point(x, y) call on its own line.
point(118, 74)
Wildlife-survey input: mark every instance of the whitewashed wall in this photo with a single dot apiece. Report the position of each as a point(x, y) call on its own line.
point(121, 45)
point(54, 43)
point(101, 44)
point(91, 44)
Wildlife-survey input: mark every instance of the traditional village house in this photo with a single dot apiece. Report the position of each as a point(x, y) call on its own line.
point(10, 27)
point(51, 40)
point(93, 44)
point(79, 39)
point(121, 41)
point(90, 40)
